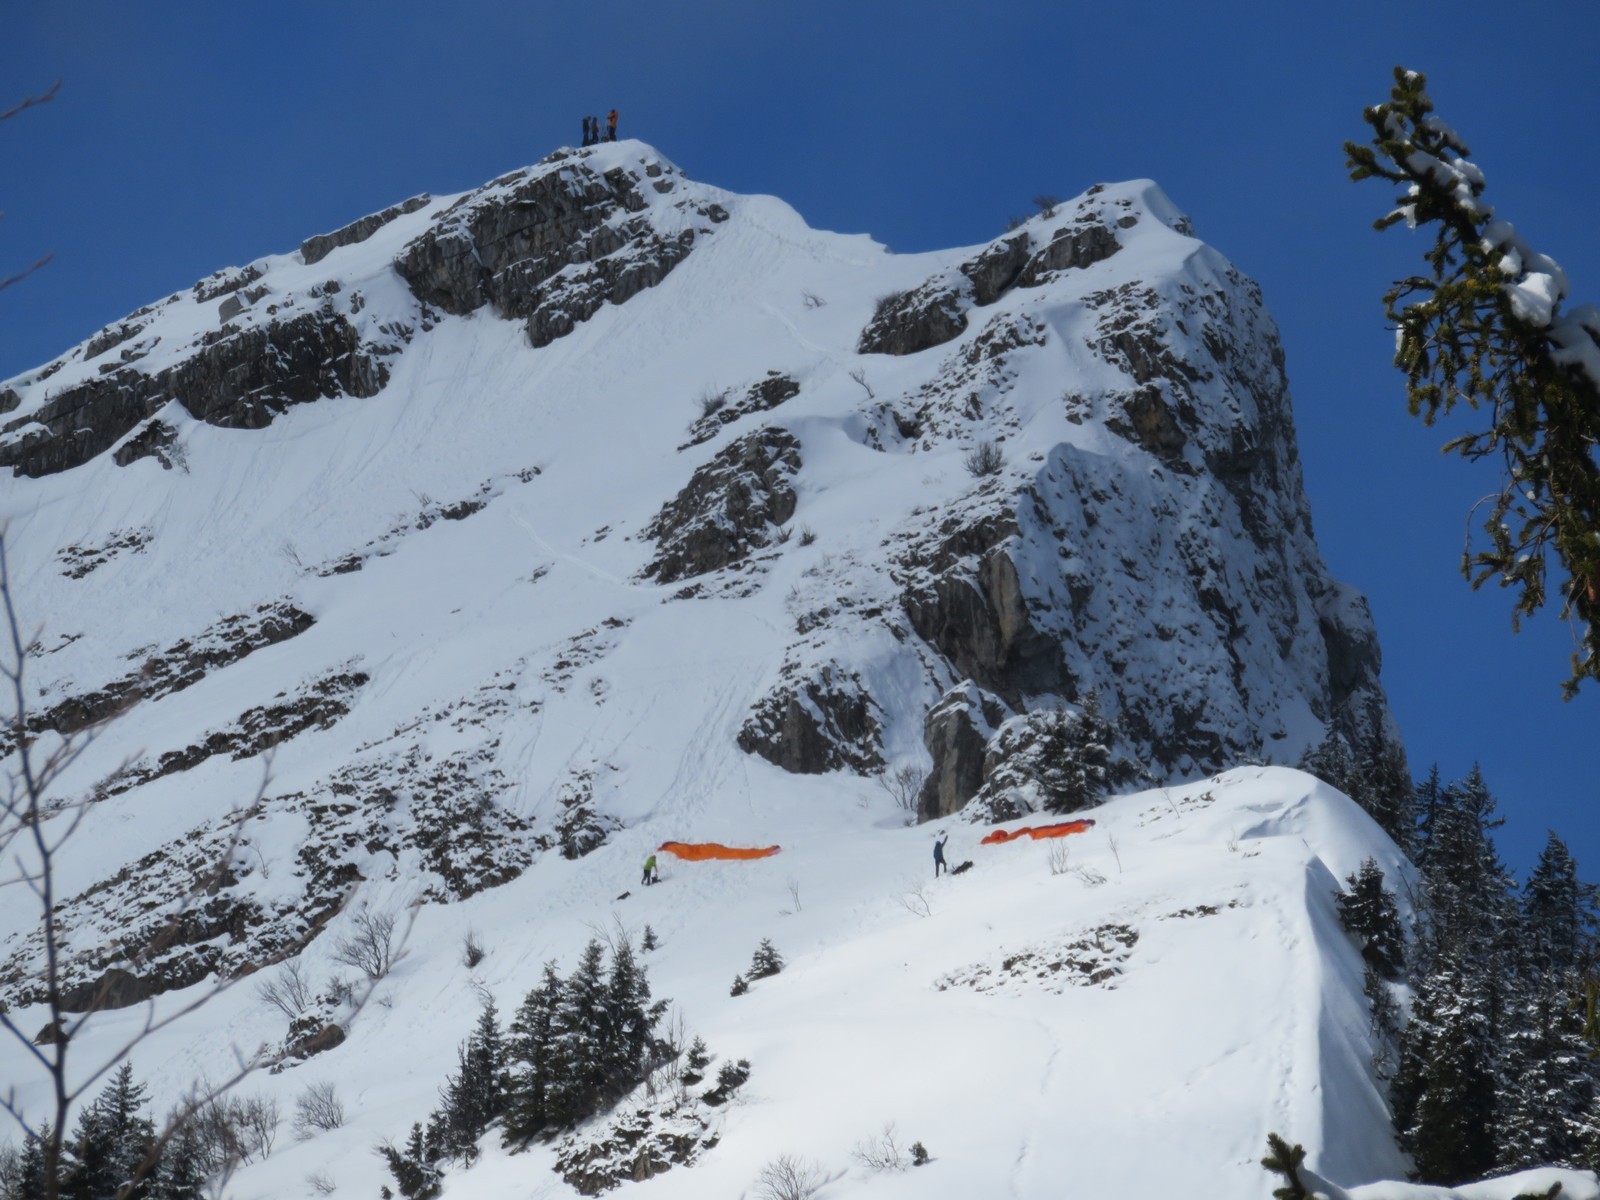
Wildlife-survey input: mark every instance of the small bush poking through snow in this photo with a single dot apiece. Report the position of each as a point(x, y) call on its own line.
point(695, 1062)
point(986, 458)
point(730, 1078)
point(807, 535)
point(919, 1154)
point(289, 991)
point(711, 400)
point(649, 941)
point(472, 950)
point(317, 1110)
point(904, 785)
point(788, 1178)
point(882, 1151)
point(370, 946)
point(741, 985)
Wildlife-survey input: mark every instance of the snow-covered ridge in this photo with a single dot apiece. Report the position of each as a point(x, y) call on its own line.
point(601, 517)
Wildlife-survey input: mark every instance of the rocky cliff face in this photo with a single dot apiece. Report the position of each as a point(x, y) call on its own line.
point(596, 498)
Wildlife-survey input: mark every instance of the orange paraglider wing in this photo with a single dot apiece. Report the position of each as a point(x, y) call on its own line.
point(1060, 829)
point(701, 851)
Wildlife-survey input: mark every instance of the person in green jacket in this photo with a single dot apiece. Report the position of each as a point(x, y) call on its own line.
point(649, 870)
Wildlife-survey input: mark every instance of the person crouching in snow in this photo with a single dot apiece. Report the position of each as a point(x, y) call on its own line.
point(649, 870)
point(938, 854)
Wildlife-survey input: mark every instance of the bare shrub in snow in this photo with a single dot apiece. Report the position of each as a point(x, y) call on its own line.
point(807, 535)
point(1047, 205)
point(915, 900)
point(860, 376)
point(370, 946)
point(1059, 856)
point(317, 1110)
point(472, 950)
point(904, 785)
point(785, 532)
point(882, 1151)
point(788, 1177)
point(289, 991)
point(1089, 876)
point(711, 400)
point(812, 300)
point(321, 1183)
point(986, 458)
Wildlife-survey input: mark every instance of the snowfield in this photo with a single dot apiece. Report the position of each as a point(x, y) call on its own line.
point(1237, 1009)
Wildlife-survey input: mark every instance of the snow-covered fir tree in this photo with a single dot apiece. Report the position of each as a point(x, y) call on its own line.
point(765, 962)
point(113, 1142)
point(475, 1094)
point(1443, 1094)
point(1367, 910)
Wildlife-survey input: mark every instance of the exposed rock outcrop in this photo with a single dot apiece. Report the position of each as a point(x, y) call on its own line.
point(824, 722)
point(315, 249)
point(957, 733)
point(724, 409)
point(240, 378)
point(730, 506)
point(547, 246)
point(174, 668)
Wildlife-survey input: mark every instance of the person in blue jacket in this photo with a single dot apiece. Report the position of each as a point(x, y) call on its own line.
point(938, 854)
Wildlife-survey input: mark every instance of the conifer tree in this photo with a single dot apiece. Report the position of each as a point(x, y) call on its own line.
point(1558, 911)
point(765, 962)
point(1548, 1111)
point(475, 1095)
point(32, 1171)
point(1467, 893)
point(529, 1052)
point(1444, 1091)
point(1367, 910)
point(111, 1143)
point(1332, 762)
point(1485, 330)
point(1389, 795)
point(696, 1061)
point(629, 1025)
point(1385, 1022)
point(181, 1173)
point(1428, 796)
point(415, 1173)
point(577, 1050)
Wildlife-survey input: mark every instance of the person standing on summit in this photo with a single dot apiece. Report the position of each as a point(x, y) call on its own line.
point(938, 854)
point(611, 125)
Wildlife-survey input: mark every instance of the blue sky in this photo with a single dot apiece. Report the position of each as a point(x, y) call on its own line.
point(190, 136)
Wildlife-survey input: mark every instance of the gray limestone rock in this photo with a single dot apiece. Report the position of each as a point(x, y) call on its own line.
point(315, 249)
point(957, 732)
point(822, 723)
point(730, 506)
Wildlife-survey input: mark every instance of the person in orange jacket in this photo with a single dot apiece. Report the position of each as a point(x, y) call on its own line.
point(611, 125)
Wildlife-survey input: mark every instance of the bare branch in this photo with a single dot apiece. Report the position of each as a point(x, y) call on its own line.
point(42, 98)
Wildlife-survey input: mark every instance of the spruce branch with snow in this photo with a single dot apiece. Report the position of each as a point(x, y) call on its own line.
point(1485, 329)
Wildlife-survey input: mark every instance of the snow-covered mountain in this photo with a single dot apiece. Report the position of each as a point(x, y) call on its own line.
point(514, 533)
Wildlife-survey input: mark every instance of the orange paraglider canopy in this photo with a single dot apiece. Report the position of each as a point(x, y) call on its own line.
point(700, 851)
point(1062, 829)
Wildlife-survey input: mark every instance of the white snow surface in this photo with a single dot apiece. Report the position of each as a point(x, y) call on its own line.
point(1237, 1011)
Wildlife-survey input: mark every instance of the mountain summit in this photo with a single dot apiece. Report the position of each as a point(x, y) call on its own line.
point(522, 530)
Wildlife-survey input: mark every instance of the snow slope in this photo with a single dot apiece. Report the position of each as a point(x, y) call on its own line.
point(432, 587)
